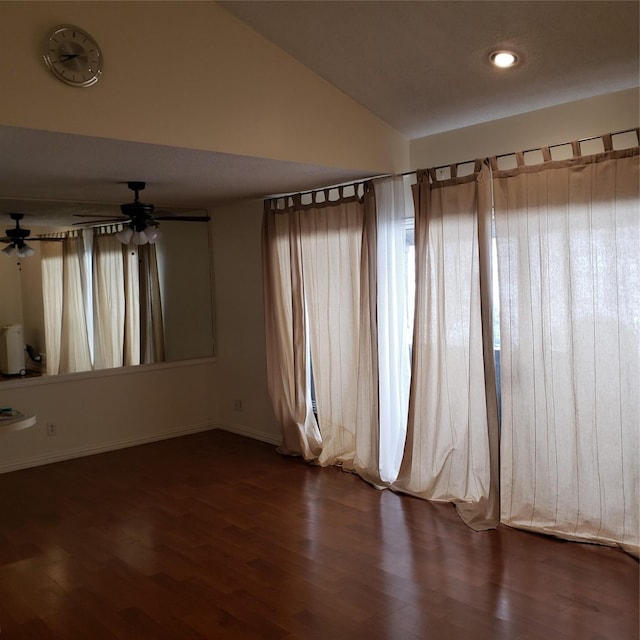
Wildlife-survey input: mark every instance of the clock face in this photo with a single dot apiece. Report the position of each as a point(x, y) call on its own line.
point(73, 56)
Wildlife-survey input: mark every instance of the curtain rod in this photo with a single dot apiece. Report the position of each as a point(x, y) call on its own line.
point(564, 144)
point(444, 166)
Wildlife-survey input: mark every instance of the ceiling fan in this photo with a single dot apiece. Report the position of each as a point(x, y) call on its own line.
point(141, 224)
point(15, 238)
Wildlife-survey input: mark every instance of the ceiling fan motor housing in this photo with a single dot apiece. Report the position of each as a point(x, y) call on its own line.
point(137, 209)
point(18, 233)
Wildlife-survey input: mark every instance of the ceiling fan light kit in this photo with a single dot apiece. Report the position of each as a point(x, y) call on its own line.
point(15, 238)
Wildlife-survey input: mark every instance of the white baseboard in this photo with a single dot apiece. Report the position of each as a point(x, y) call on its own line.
point(80, 452)
point(251, 433)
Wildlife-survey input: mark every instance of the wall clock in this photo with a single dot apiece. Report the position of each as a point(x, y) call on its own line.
point(73, 56)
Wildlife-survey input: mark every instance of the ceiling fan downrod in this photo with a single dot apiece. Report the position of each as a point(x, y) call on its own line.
point(136, 187)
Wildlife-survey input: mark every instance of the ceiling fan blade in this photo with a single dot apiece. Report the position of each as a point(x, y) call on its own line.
point(45, 240)
point(184, 218)
point(95, 215)
point(98, 223)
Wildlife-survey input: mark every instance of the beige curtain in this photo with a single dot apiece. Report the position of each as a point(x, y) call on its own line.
point(52, 270)
point(318, 303)
point(287, 347)
point(75, 354)
point(151, 323)
point(568, 237)
point(108, 301)
point(452, 438)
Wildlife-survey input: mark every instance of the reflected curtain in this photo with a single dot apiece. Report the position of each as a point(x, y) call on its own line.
point(107, 298)
point(52, 270)
point(151, 323)
point(75, 353)
point(131, 347)
point(108, 301)
point(452, 434)
point(568, 237)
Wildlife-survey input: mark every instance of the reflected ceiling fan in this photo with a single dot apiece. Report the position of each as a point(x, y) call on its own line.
point(15, 238)
point(141, 225)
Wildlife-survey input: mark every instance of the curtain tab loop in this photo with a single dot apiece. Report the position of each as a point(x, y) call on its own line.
point(607, 142)
point(546, 154)
point(493, 163)
point(575, 147)
point(453, 171)
point(520, 158)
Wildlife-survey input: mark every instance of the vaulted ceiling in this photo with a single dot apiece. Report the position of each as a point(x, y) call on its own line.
point(423, 66)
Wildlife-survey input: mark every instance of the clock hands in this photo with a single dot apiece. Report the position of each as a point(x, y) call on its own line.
point(68, 56)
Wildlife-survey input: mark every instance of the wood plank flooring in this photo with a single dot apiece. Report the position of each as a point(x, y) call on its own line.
point(217, 536)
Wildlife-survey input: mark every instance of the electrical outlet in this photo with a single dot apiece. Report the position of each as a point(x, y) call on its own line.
point(237, 405)
point(51, 429)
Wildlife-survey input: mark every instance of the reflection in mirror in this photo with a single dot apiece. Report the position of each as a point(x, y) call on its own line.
point(185, 279)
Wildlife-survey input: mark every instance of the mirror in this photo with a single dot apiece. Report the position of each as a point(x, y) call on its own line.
point(184, 266)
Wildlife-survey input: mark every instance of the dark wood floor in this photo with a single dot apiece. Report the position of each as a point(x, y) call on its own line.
point(217, 536)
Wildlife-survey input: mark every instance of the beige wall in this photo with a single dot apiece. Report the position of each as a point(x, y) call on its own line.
point(32, 306)
point(187, 74)
point(99, 411)
point(11, 279)
point(186, 285)
point(241, 360)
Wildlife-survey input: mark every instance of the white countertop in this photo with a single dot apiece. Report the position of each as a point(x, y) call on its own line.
point(18, 420)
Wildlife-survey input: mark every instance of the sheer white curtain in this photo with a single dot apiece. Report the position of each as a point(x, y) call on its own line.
point(568, 239)
point(336, 283)
point(451, 448)
point(75, 354)
point(394, 339)
point(337, 272)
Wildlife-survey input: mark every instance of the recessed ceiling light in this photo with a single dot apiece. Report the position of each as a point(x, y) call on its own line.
point(504, 59)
